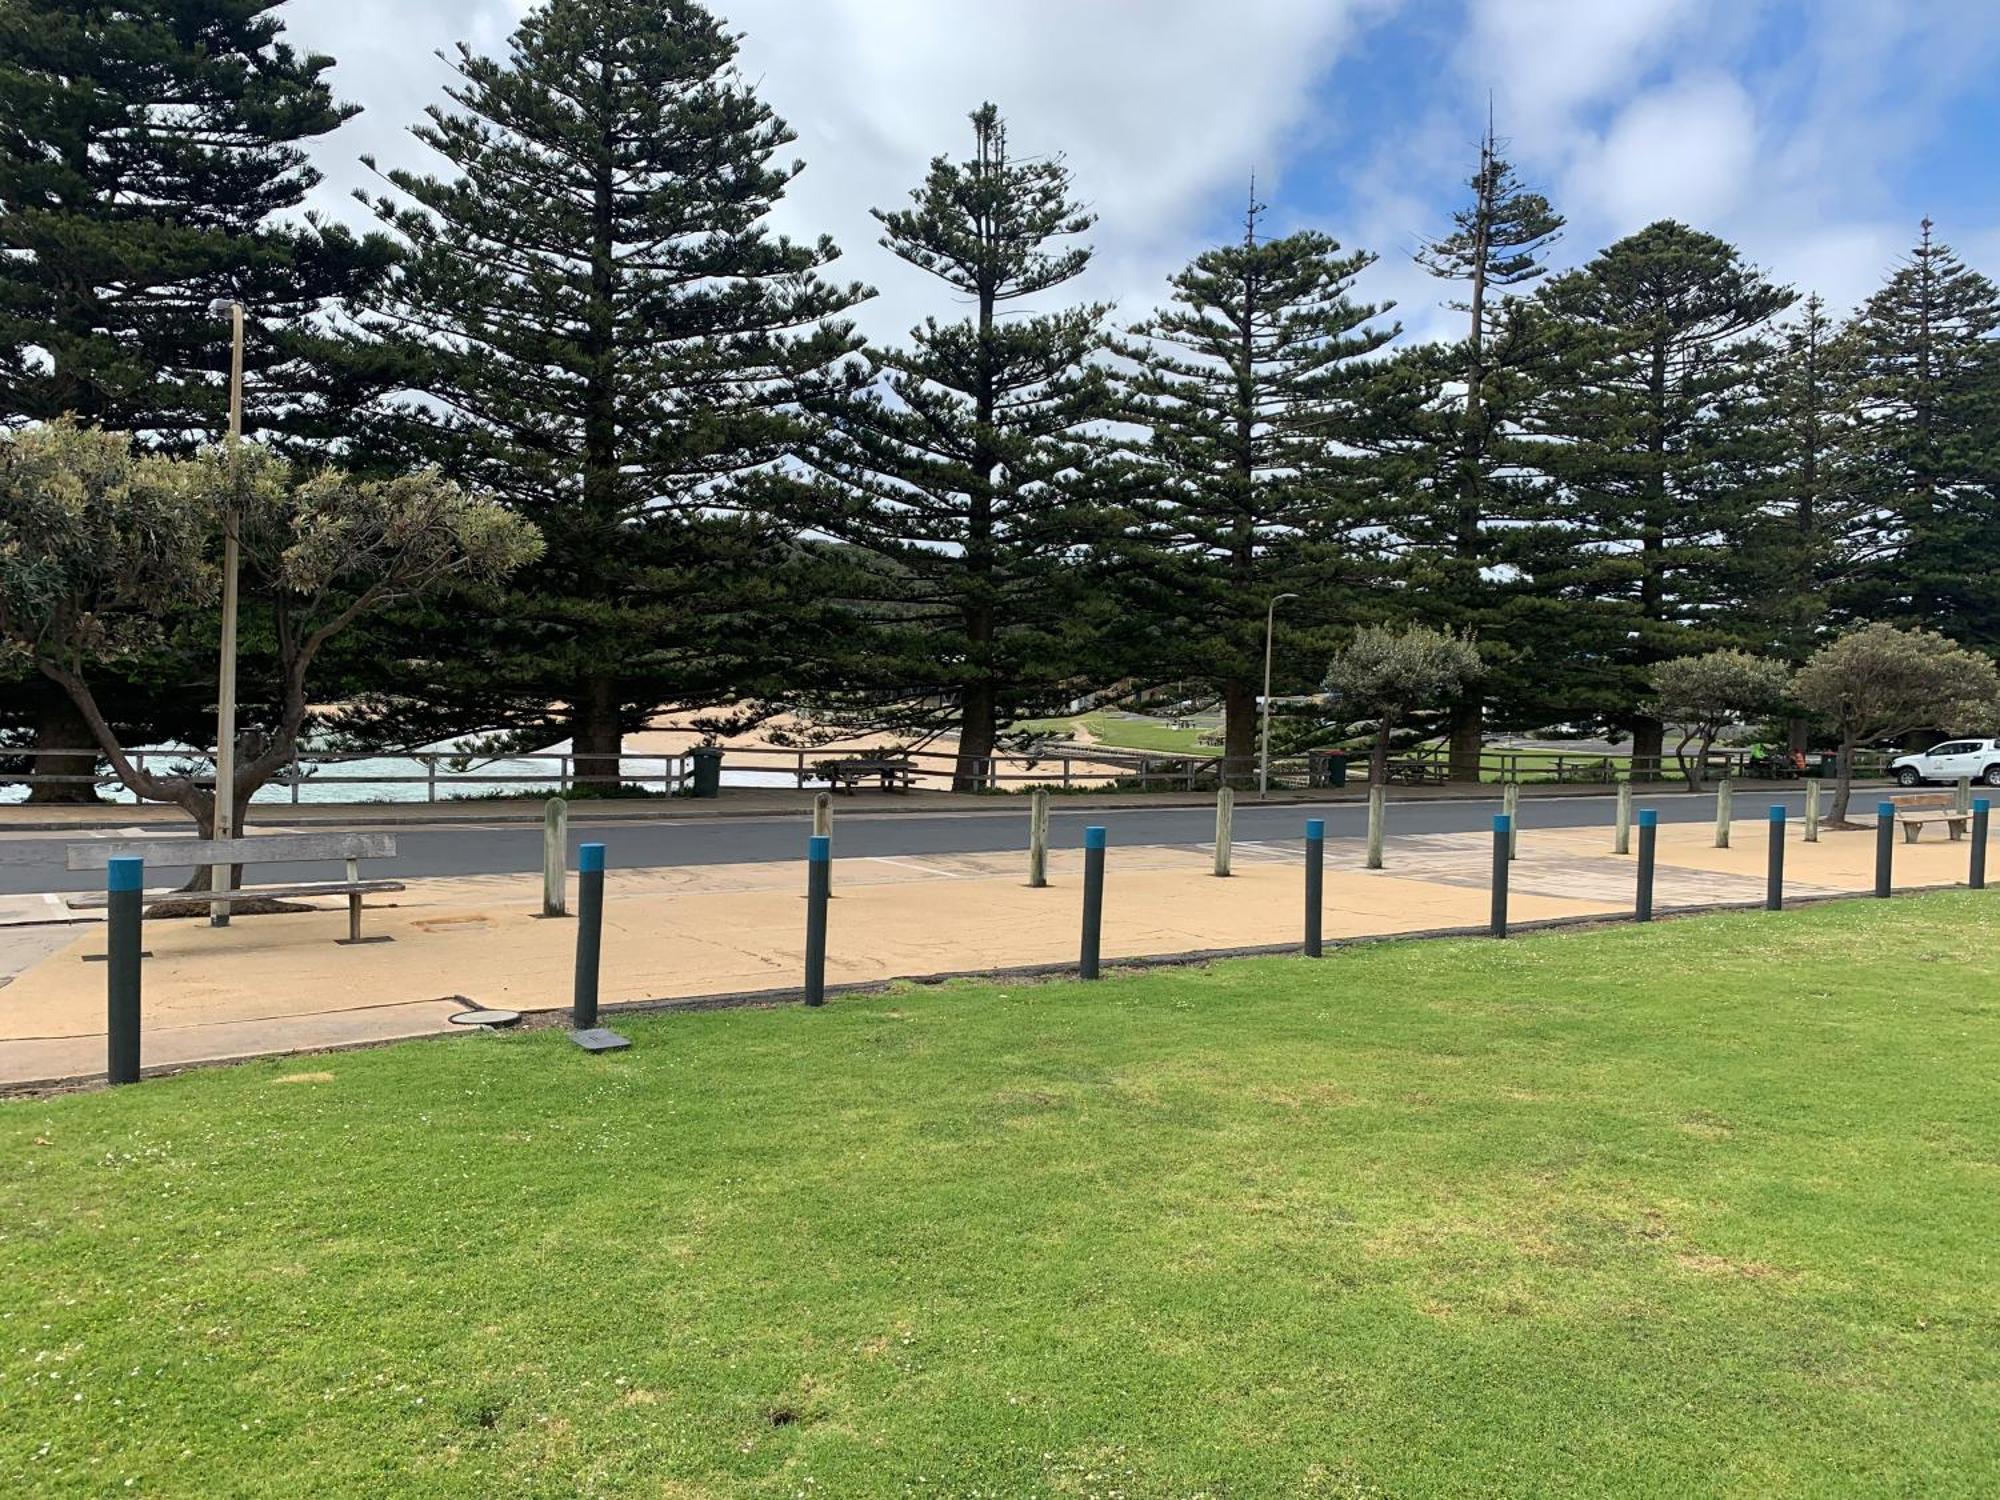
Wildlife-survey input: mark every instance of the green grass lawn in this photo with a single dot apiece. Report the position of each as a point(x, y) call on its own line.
point(1129, 733)
point(1710, 1207)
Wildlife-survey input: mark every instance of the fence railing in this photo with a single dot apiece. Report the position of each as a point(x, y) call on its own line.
point(445, 775)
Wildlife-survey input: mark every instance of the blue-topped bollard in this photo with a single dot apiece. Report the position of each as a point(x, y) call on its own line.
point(1503, 850)
point(1315, 882)
point(1649, 847)
point(819, 885)
point(1885, 845)
point(1093, 900)
point(589, 933)
point(1982, 813)
point(1774, 862)
point(124, 885)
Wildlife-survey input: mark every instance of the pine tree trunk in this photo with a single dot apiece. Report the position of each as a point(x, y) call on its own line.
point(595, 738)
point(1649, 743)
point(1468, 739)
point(1239, 730)
point(978, 732)
point(60, 726)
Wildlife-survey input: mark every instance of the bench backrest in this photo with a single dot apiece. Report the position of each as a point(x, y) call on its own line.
point(266, 849)
point(1915, 800)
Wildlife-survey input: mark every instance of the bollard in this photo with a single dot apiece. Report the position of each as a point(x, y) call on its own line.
point(1774, 862)
point(1503, 851)
point(589, 933)
point(555, 858)
point(1621, 827)
point(1093, 900)
point(1961, 801)
point(1812, 811)
point(819, 885)
point(1885, 845)
point(1725, 803)
point(1649, 844)
point(823, 828)
point(1377, 813)
point(1225, 818)
point(1510, 804)
point(124, 882)
point(1038, 838)
point(1981, 814)
point(1315, 882)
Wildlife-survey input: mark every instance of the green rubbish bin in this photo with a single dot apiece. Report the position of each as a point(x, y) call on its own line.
point(1327, 768)
point(707, 760)
point(1826, 767)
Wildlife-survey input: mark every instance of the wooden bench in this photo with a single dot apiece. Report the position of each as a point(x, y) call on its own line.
point(893, 772)
point(1914, 810)
point(267, 849)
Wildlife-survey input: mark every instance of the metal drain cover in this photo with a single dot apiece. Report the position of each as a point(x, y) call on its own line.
point(490, 1018)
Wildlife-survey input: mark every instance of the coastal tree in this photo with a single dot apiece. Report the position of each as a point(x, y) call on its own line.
point(1703, 695)
point(103, 549)
point(1385, 674)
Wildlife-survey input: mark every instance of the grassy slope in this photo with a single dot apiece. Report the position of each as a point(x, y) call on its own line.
point(1709, 1207)
point(1130, 734)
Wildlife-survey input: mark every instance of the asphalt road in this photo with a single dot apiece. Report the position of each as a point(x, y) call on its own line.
point(36, 863)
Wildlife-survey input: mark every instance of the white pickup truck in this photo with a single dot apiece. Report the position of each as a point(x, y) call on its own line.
point(1951, 761)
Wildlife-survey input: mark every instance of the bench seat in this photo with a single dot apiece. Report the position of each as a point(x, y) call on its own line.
point(1914, 822)
point(90, 899)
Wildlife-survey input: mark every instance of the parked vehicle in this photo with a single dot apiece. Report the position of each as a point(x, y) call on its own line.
point(1951, 761)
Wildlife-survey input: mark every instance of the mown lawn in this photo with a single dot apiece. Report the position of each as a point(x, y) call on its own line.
point(1705, 1208)
point(1127, 733)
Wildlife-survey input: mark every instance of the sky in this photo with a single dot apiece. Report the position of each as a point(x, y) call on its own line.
point(1814, 134)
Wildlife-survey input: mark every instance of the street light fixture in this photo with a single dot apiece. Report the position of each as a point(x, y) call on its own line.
point(225, 698)
point(1264, 752)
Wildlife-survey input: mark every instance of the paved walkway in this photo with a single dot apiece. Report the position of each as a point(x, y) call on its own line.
point(280, 983)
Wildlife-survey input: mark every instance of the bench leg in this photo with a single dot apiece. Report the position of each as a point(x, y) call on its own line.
point(1910, 832)
point(354, 925)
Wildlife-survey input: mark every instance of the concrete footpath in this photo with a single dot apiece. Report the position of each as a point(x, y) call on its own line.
point(280, 983)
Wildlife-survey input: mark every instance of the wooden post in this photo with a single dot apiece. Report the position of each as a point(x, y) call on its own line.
point(1225, 817)
point(1510, 804)
point(1621, 828)
point(1725, 799)
point(823, 829)
point(1038, 838)
point(1812, 810)
point(1376, 812)
point(555, 857)
point(1962, 803)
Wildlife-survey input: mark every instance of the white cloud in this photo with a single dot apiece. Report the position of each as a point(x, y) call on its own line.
point(1686, 151)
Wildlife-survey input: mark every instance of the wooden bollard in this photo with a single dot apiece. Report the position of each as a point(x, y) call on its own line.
point(823, 828)
point(1038, 838)
point(1377, 814)
point(1812, 811)
point(1225, 822)
point(1725, 801)
point(1510, 804)
point(1621, 823)
point(555, 858)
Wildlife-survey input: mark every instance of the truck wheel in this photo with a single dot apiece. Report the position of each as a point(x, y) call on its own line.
point(1908, 777)
point(1991, 775)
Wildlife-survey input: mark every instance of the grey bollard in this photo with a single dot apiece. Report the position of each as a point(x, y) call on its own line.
point(589, 933)
point(1621, 826)
point(1649, 846)
point(1093, 901)
point(1725, 803)
point(1982, 810)
point(1774, 862)
point(1961, 801)
point(1503, 851)
point(1510, 804)
point(1315, 883)
point(1377, 813)
point(1812, 810)
point(1225, 823)
point(1885, 845)
point(124, 883)
point(555, 858)
point(819, 885)
point(1038, 838)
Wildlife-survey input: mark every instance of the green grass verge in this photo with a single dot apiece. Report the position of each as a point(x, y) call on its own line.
point(1709, 1207)
point(1129, 734)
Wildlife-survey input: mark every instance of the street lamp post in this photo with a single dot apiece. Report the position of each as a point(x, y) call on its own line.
point(1264, 750)
point(225, 698)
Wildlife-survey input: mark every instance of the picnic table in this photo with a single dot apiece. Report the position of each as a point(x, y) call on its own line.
point(893, 773)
